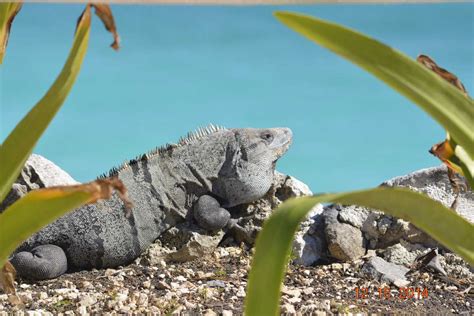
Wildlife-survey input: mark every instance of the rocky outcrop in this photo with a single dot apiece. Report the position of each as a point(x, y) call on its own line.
point(349, 231)
point(37, 173)
point(188, 242)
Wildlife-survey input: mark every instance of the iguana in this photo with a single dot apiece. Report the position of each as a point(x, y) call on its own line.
point(196, 179)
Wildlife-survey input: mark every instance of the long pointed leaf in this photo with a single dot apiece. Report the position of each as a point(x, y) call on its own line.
point(467, 165)
point(445, 103)
point(274, 241)
point(41, 207)
point(8, 11)
point(19, 144)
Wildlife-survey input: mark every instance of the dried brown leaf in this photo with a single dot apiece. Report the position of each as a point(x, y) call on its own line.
point(99, 189)
point(5, 30)
point(104, 12)
point(444, 151)
point(103, 189)
point(7, 278)
point(429, 63)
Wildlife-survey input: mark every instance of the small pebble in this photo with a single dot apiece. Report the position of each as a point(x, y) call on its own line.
point(241, 292)
point(216, 283)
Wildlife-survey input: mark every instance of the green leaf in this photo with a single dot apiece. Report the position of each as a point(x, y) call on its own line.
point(19, 144)
point(466, 163)
point(41, 207)
point(273, 243)
point(445, 103)
point(8, 11)
point(17, 222)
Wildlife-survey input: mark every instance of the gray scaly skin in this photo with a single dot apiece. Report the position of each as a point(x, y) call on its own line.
point(197, 179)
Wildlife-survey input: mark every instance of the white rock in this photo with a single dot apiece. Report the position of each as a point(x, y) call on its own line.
point(82, 310)
point(26, 297)
point(290, 187)
point(288, 309)
point(210, 312)
point(240, 292)
point(292, 292)
point(435, 183)
point(61, 291)
point(87, 300)
point(142, 300)
point(401, 283)
point(308, 290)
point(294, 300)
point(183, 290)
point(384, 271)
point(38, 172)
point(222, 252)
point(121, 297)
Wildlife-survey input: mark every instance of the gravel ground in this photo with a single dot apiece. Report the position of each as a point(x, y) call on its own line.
point(216, 285)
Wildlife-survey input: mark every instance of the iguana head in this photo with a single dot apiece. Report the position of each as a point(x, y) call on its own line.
point(263, 146)
point(248, 171)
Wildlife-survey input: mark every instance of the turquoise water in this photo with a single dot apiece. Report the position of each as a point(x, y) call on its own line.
point(185, 67)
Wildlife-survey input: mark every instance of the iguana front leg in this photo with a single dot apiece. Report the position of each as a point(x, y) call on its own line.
point(209, 214)
point(41, 263)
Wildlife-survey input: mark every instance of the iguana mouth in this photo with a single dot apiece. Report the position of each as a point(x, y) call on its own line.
point(284, 138)
point(281, 149)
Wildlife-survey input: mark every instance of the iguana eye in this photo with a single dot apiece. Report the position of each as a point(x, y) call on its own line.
point(266, 136)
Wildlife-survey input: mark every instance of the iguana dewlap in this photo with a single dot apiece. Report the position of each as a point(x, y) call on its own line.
point(197, 179)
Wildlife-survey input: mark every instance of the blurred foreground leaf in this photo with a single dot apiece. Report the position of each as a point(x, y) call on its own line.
point(19, 144)
point(446, 104)
point(104, 12)
point(467, 165)
point(273, 243)
point(450, 107)
point(8, 11)
point(41, 207)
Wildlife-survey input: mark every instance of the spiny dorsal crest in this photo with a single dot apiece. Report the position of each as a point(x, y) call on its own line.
point(199, 133)
point(190, 138)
